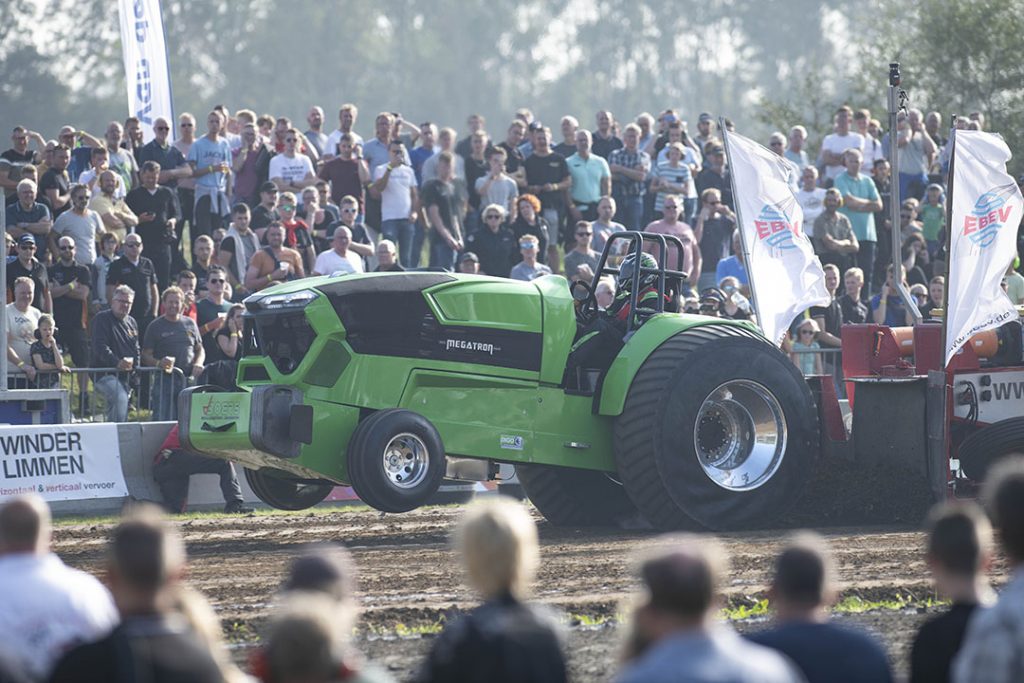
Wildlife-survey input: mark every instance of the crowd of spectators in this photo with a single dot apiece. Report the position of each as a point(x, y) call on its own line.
point(143, 623)
point(253, 202)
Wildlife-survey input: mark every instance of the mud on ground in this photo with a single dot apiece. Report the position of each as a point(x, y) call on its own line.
point(409, 578)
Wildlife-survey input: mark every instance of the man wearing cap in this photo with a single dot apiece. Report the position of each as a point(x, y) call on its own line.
point(705, 130)
point(265, 213)
point(469, 263)
point(27, 265)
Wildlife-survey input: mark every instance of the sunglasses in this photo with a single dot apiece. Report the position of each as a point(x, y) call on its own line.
point(806, 331)
point(161, 127)
point(349, 210)
point(289, 140)
point(133, 244)
point(527, 245)
point(188, 125)
point(584, 234)
point(287, 207)
point(67, 248)
point(81, 198)
point(216, 280)
point(492, 217)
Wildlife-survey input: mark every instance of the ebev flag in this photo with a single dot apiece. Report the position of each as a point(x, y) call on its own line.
point(987, 207)
point(145, 62)
point(785, 275)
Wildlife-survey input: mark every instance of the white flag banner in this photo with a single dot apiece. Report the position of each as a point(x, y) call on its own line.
point(145, 63)
point(987, 207)
point(785, 275)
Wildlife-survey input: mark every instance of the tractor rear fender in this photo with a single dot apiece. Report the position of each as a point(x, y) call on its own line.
point(638, 347)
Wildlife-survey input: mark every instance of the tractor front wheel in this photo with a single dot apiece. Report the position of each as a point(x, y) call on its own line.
point(284, 491)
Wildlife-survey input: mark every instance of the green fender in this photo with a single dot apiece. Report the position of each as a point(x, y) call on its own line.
point(644, 341)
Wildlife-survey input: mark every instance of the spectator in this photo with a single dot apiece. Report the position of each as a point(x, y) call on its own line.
point(445, 143)
point(210, 159)
point(173, 166)
point(735, 265)
point(604, 142)
point(122, 161)
point(46, 356)
point(317, 217)
point(132, 141)
point(810, 197)
point(395, 185)
point(887, 308)
point(495, 245)
point(117, 217)
point(55, 183)
point(800, 594)
point(582, 254)
point(854, 310)
point(228, 339)
point(671, 176)
point(805, 348)
point(81, 224)
point(377, 152)
point(70, 284)
point(26, 265)
point(315, 136)
point(777, 144)
point(99, 161)
point(212, 310)
point(137, 272)
point(995, 635)
point(469, 263)
point(915, 260)
point(145, 565)
point(917, 151)
point(829, 319)
point(274, 263)
point(936, 293)
point(186, 185)
point(475, 124)
point(202, 261)
point(933, 217)
point(834, 240)
point(361, 242)
point(386, 258)
point(591, 180)
point(425, 150)
point(715, 175)
point(265, 213)
point(496, 187)
point(346, 172)
point(238, 248)
point(339, 259)
point(604, 227)
point(530, 222)
point(795, 151)
point(505, 639)
point(29, 217)
point(705, 131)
point(323, 193)
point(834, 146)
point(172, 341)
point(441, 213)
point(735, 306)
point(48, 607)
point(347, 115)
point(19, 154)
point(115, 344)
point(629, 166)
point(476, 168)
point(529, 268)
point(567, 147)
point(860, 201)
point(22, 320)
point(289, 170)
point(297, 234)
point(675, 636)
point(158, 214)
point(547, 178)
point(251, 166)
point(716, 224)
point(514, 158)
point(872, 148)
point(689, 262)
point(959, 554)
point(173, 466)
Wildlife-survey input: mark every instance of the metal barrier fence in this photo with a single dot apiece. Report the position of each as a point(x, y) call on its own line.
point(823, 361)
point(111, 395)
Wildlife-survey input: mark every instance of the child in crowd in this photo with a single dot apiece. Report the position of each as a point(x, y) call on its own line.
point(933, 217)
point(46, 356)
point(806, 335)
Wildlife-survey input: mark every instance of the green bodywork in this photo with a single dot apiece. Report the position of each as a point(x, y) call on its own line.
point(481, 410)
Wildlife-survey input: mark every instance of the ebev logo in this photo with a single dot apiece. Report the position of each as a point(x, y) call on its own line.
point(981, 226)
point(774, 228)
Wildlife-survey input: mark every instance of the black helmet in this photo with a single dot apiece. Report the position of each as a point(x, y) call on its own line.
point(626, 271)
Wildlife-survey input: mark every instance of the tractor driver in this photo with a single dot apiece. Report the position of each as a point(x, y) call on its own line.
point(600, 340)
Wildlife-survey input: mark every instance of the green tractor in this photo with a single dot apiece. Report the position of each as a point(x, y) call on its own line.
point(392, 382)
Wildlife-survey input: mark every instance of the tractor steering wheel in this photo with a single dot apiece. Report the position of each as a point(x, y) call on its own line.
point(585, 302)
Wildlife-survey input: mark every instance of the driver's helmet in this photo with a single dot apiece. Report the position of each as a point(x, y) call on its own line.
point(626, 271)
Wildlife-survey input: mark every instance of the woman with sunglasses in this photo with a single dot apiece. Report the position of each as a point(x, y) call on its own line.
point(229, 337)
point(529, 222)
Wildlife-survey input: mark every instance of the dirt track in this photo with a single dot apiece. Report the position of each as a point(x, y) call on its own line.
point(410, 578)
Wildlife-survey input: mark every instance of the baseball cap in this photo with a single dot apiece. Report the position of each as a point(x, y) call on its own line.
point(934, 186)
point(536, 125)
point(717, 149)
point(268, 186)
point(469, 256)
point(26, 240)
point(704, 116)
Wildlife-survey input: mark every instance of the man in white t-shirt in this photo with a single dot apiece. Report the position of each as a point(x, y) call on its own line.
point(346, 119)
point(22, 321)
point(48, 607)
point(339, 259)
point(810, 197)
point(835, 144)
point(395, 184)
point(291, 171)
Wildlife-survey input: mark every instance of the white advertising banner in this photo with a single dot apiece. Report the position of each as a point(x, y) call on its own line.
point(986, 210)
point(785, 275)
point(61, 462)
point(145, 63)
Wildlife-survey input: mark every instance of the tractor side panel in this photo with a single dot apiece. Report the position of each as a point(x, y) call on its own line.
point(889, 424)
point(568, 433)
point(648, 337)
point(559, 327)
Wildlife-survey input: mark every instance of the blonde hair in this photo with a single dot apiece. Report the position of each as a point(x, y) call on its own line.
point(498, 543)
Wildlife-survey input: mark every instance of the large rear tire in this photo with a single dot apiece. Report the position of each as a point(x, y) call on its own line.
point(570, 497)
point(284, 491)
point(719, 428)
point(396, 460)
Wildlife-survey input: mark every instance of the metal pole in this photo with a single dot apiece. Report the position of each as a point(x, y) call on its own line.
point(3, 318)
point(895, 95)
point(739, 226)
point(949, 237)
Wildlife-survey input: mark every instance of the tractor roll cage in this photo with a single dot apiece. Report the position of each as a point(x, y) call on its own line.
point(670, 282)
